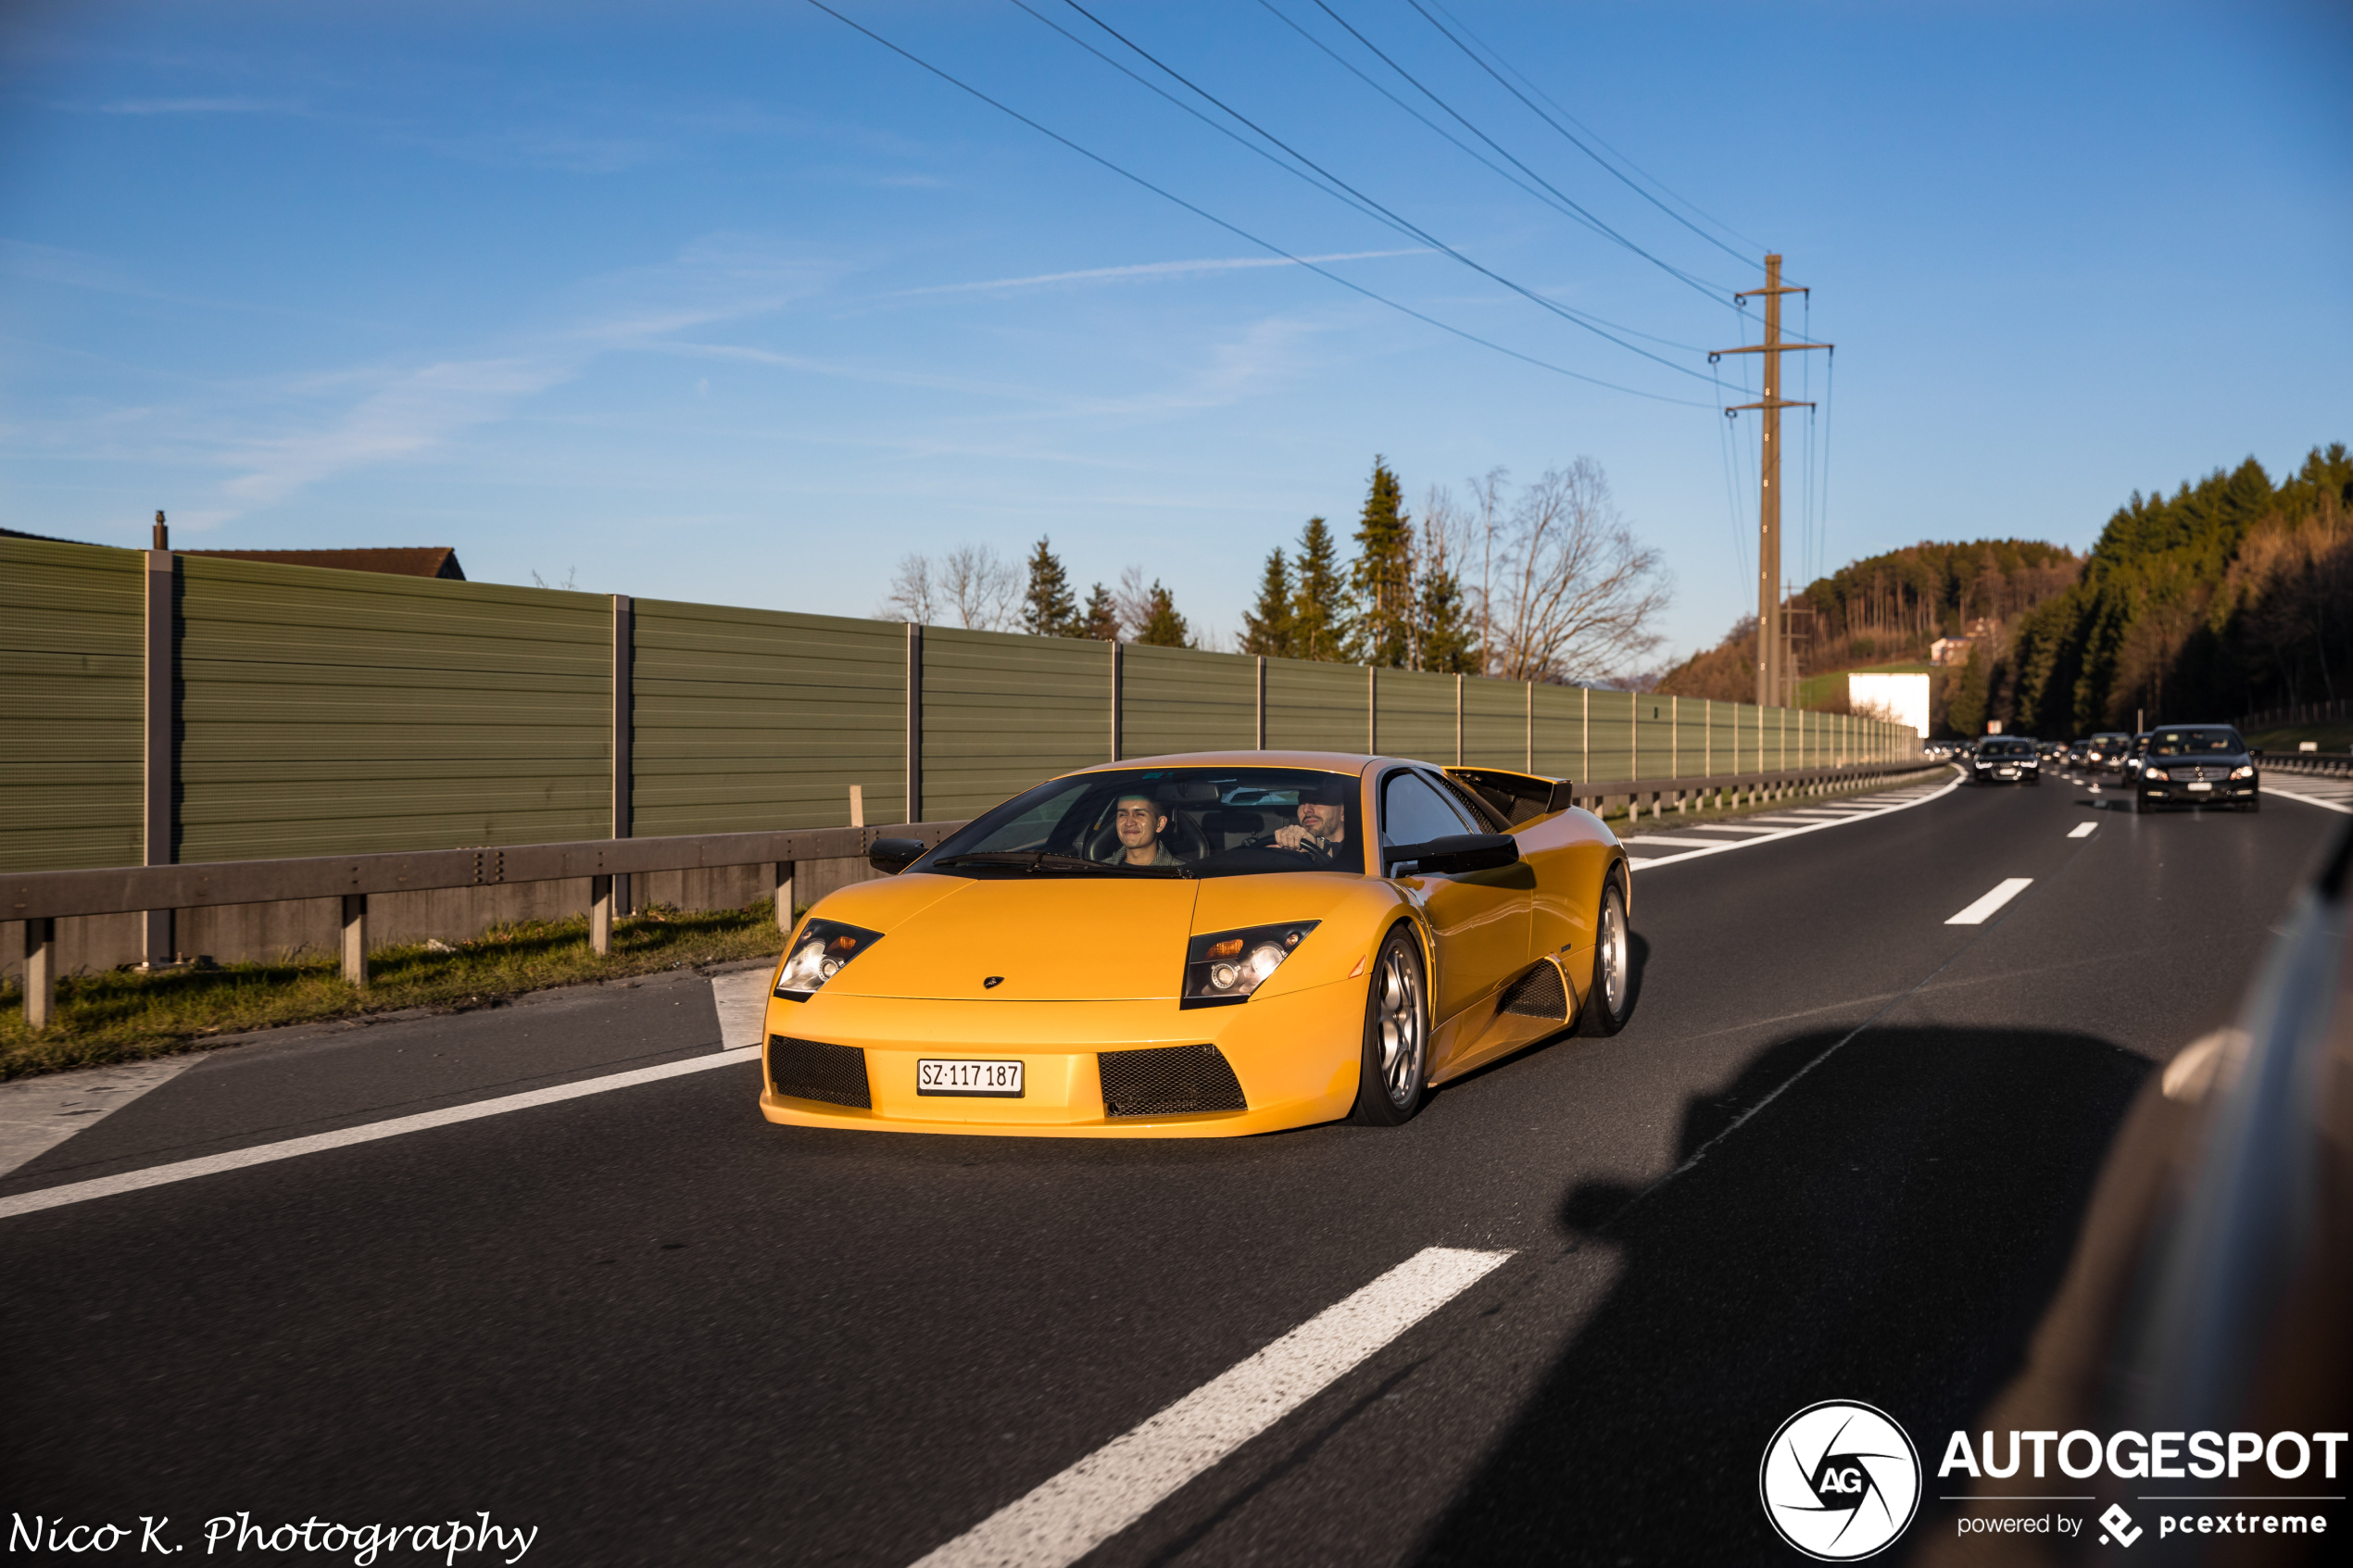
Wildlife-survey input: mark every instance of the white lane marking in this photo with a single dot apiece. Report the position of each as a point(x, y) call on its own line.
point(1646, 840)
point(1635, 862)
point(742, 1001)
point(263, 1154)
point(1119, 1483)
point(2082, 830)
point(1983, 910)
point(37, 1114)
point(1798, 825)
point(2322, 801)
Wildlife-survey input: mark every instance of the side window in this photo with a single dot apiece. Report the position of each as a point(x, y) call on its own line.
point(1412, 810)
point(1488, 817)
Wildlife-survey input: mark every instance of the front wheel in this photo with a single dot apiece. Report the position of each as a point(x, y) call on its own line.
point(1393, 1078)
point(1609, 1001)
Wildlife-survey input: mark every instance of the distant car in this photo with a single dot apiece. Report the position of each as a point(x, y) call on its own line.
point(2104, 752)
point(2196, 765)
point(2076, 751)
point(2006, 759)
point(2128, 772)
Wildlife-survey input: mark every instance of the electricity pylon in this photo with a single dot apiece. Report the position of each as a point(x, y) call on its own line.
point(1775, 674)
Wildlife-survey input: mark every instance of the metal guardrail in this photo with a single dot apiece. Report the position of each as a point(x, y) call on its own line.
point(2323, 764)
point(1737, 788)
point(41, 899)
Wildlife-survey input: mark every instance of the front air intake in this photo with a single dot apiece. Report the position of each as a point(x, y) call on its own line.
point(810, 1070)
point(1169, 1081)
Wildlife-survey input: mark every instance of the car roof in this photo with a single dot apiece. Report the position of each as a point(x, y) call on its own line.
point(1322, 761)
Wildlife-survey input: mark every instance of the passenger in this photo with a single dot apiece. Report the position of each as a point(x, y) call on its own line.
point(1140, 820)
point(1322, 827)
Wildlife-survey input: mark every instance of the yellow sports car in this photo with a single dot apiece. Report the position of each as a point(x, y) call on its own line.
point(1202, 946)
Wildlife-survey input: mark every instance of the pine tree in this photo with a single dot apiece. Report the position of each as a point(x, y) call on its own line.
point(1099, 619)
point(1319, 622)
point(1047, 610)
point(1445, 641)
point(1381, 582)
point(1266, 625)
point(1164, 628)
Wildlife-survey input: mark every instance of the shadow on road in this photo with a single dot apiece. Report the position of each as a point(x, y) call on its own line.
point(1889, 1230)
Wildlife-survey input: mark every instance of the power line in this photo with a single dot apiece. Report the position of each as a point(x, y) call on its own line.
point(1712, 290)
point(1236, 229)
point(1312, 174)
point(1407, 225)
point(1578, 145)
point(1546, 198)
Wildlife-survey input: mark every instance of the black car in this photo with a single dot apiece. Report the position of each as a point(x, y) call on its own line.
point(2196, 765)
point(2006, 759)
point(2104, 752)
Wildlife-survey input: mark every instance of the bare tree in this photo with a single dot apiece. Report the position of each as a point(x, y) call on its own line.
point(1486, 498)
point(1133, 599)
point(913, 595)
point(1580, 597)
point(981, 586)
point(971, 583)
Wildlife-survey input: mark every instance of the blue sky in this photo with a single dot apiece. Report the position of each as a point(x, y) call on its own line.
point(727, 302)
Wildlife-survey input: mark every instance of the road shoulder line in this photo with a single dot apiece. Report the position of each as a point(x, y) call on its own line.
point(264, 1154)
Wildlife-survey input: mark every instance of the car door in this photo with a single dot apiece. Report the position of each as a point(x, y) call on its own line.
point(1480, 918)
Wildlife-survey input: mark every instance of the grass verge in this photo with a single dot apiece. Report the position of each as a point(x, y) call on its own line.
point(123, 1015)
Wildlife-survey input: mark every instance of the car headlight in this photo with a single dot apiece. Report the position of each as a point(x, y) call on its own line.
point(1225, 967)
point(818, 953)
point(2245, 773)
point(2157, 775)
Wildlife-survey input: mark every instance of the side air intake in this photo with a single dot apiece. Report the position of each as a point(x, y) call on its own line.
point(1537, 994)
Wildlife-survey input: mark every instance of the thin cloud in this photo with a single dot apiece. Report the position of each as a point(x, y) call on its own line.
point(195, 105)
point(1157, 270)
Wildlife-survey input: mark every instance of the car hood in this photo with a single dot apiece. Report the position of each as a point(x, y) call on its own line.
point(1064, 939)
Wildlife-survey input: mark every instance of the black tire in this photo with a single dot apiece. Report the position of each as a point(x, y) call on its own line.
point(1609, 995)
point(2252, 803)
point(2141, 808)
point(1389, 1090)
point(2036, 779)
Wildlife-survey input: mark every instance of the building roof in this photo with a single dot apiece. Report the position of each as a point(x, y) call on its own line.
point(423, 560)
point(431, 560)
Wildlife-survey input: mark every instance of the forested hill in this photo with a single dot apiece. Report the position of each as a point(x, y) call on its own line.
point(2233, 594)
point(1890, 607)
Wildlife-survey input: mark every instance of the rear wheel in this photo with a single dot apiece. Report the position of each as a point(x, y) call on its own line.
point(1394, 1076)
point(1609, 1001)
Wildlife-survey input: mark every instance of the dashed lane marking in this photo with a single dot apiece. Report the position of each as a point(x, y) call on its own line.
point(2082, 830)
point(1070, 1516)
point(1984, 910)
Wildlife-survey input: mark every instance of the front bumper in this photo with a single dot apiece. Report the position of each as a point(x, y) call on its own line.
point(2006, 775)
point(1295, 1055)
point(2219, 792)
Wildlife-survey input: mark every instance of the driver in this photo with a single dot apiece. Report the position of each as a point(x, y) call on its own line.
point(1322, 827)
point(1140, 820)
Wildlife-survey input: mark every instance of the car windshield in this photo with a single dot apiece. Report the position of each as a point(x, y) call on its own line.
point(2196, 742)
point(1164, 822)
point(2006, 748)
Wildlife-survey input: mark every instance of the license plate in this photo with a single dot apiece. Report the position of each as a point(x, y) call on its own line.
point(2201, 786)
point(954, 1076)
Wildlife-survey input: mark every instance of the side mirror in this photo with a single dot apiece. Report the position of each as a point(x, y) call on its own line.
point(1455, 854)
point(891, 856)
point(2255, 752)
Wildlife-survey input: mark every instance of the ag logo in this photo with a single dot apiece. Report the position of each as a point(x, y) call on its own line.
point(1840, 1480)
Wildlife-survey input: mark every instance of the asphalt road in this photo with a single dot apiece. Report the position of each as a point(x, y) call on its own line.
point(1839, 1152)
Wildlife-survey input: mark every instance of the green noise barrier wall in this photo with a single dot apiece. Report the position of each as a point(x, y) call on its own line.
point(159, 708)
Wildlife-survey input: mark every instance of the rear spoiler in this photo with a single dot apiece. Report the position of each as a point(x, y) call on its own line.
point(1521, 797)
